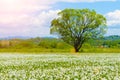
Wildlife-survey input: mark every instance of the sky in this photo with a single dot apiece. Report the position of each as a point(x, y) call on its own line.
point(32, 17)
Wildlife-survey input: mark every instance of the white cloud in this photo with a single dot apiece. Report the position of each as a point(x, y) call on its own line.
point(45, 17)
point(22, 6)
point(29, 17)
point(25, 17)
point(113, 18)
point(42, 22)
point(26, 25)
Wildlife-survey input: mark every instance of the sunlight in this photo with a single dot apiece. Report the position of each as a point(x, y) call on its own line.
point(10, 5)
point(9, 2)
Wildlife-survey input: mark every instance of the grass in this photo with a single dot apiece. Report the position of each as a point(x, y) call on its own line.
point(32, 50)
point(100, 50)
point(66, 50)
point(67, 66)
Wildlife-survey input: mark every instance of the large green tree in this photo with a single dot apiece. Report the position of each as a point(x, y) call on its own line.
point(76, 26)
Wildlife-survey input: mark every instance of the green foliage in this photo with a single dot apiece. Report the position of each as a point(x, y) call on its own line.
point(34, 45)
point(106, 42)
point(75, 26)
point(57, 45)
point(50, 43)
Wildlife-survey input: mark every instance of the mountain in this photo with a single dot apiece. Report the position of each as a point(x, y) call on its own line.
point(15, 37)
point(112, 37)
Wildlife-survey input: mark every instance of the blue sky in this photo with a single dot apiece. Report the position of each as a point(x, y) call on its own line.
point(33, 17)
point(101, 7)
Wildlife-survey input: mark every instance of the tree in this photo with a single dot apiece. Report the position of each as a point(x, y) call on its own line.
point(76, 26)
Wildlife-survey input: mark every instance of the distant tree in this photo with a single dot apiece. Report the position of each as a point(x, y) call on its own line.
point(75, 26)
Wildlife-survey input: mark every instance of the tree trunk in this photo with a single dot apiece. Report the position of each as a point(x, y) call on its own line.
point(77, 47)
point(76, 50)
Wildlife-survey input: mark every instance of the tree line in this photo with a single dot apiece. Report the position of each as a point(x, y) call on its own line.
point(53, 43)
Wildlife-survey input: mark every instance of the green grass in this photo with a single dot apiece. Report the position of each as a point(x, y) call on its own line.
point(32, 50)
point(101, 50)
point(66, 50)
point(67, 66)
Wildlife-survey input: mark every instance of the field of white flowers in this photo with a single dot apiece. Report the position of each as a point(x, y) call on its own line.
point(59, 66)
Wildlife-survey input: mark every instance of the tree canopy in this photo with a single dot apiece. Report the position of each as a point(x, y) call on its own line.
point(75, 26)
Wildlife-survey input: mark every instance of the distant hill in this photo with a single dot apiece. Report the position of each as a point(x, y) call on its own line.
point(25, 37)
point(15, 37)
point(112, 37)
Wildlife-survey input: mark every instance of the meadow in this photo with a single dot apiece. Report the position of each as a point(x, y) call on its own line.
point(64, 66)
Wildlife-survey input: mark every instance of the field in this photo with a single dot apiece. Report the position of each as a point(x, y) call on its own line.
point(82, 66)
